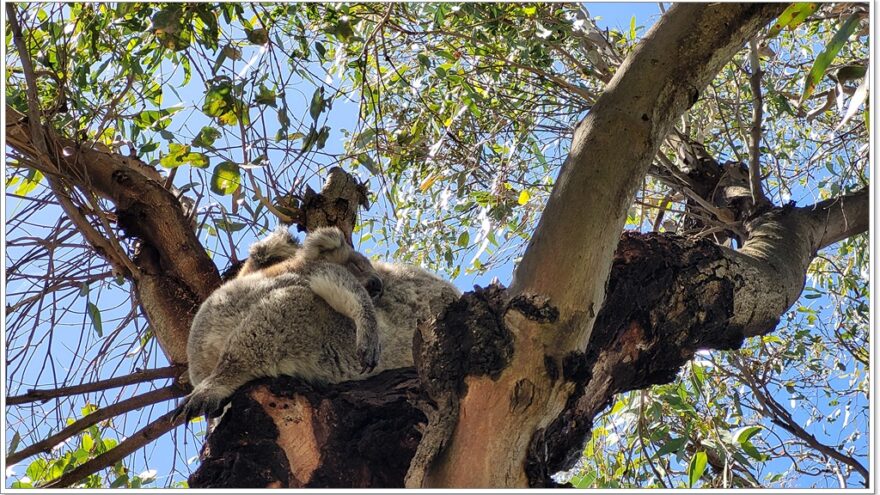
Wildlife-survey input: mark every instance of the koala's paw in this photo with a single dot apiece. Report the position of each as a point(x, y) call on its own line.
point(368, 348)
point(202, 401)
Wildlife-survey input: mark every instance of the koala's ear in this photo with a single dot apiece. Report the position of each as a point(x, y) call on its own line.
point(326, 239)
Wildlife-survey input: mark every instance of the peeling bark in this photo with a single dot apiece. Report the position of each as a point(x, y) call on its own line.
point(281, 433)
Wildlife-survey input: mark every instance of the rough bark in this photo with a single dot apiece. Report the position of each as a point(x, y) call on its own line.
point(567, 262)
point(281, 433)
point(668, 296)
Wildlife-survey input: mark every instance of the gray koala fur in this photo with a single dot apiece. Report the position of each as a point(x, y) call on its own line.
point(273, 322)
point(229, 344)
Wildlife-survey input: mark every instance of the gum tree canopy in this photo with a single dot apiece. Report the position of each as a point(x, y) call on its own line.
point(677, 214)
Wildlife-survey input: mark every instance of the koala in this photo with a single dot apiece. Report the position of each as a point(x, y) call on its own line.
point(281, 253)
point(325, 268)
point(286, 327)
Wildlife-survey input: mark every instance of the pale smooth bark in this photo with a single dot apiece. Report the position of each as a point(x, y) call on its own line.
point(567, 262)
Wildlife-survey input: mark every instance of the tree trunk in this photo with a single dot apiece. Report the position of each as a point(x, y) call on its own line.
point(560, 284)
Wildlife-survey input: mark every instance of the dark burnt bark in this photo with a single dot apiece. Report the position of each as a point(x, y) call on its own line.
point(281, 433)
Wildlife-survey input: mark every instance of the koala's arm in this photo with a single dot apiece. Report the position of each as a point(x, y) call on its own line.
point(345, 294)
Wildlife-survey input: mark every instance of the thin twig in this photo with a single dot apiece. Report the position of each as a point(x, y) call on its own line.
point(34, 395)
point(138, 401)
point(34, 120)
point(757, 116)
point(145, 435)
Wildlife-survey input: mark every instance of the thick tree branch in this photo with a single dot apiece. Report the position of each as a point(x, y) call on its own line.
point(662, 77)
point(841, 217)
point(79, 425)
point(560, 284)
point(668, 296)
point(43, 395)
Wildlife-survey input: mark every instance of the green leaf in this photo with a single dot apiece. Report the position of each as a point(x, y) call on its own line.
point(464, 239)
point(13, 444)
point(752, 451)
point(365, 138)
point(120, 481)
point(88, 442)
point(95, 316)
point(226, 178)
point(632, 28)
point(156, 119)
point(229, 226)
point(180, 154)
point(257, 36)
point(673, 445)
point(266, 97)
point(585, 481)
point(792, 17)
point(37, 470)
point(30, 183)
point(696, 468)
point(317, 104)
point(746, 433)
point(309, 140)
point(824, 59)
point(206, 137)
point(321, 139)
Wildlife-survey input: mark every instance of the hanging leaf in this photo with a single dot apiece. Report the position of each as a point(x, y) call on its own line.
point(792, 17)
point(266, 96)
point(258, 36)
point(30, 183)
point(696, 468)
point(523, 197)
point(226, 178)
point(855, 102)
point(206, 137)
point(427, 183)
point(673, 445)
point(95, 316)
point(317, 104)
point(13, 444)
point(321, 139)
point(827, 56)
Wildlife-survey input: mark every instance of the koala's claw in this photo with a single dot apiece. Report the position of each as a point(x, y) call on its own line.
point(198, 403)
point(368, 356)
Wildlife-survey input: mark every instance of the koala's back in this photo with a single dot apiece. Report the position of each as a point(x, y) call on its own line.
point(308, 338)
point(220, 314)
point(411, 295)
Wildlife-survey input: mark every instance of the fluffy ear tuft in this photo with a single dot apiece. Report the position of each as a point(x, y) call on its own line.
point(324, 239)
point(280, 244)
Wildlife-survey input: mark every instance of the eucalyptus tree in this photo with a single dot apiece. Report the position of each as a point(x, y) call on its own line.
point(147, 144)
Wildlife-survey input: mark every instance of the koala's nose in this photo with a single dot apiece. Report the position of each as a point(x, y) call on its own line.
point(374, 287)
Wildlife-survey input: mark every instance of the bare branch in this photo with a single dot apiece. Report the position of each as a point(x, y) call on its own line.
point(781, 417)
point(79, 425)
point(757, 117)
point(143, 436)
point(34, 395)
